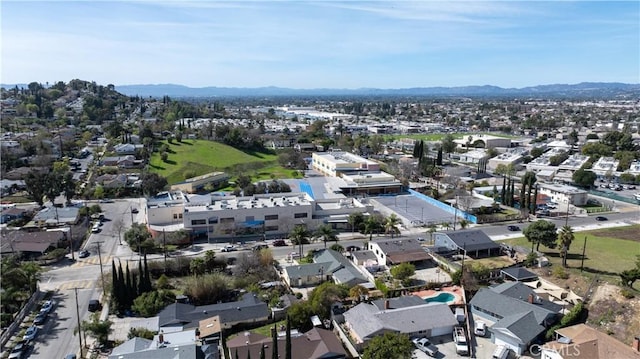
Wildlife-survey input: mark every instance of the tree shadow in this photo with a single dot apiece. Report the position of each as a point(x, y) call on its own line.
point(156, 167)
point(171, 162)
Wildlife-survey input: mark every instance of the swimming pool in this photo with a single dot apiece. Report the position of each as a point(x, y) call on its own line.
point(443, 297)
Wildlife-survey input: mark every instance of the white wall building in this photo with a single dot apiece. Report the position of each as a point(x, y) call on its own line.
point(335, 163)
point(230, 216)
point(564, 194)
point(605, 165)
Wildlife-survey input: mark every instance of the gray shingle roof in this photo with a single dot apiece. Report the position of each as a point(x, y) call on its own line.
point(519, 273)
point(520, 291)
point(309, 269)
point(367, 320)
point(522, 326)
point(504, 306)
point(247, 308)
point(472, 240)
point(341, 268)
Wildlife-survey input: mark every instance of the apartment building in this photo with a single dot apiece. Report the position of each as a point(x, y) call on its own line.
point(336, 163)
point(564, 194)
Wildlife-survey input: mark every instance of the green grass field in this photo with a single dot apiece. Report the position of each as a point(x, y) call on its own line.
point(197, 157)
point(609, 251)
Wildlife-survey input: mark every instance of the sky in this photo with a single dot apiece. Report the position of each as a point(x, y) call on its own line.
point(321, 44)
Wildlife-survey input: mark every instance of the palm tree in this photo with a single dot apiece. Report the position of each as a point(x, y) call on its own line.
point(370, 226)
point(355, 220)
point(391, 224)
point(300, 235)
point(326, 233)
point(464, 223)
point(565, 237)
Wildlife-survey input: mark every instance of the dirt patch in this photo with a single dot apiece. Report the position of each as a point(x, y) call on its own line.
point(627, 233)
point(613, 314)
point(609, 311)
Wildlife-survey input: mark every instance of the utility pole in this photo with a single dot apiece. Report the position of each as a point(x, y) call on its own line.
point(71, 244)
point(164, 249)
point(78, 318)
point(131, 212)
point(584, 248)
point(566, 218)
point(104, 289)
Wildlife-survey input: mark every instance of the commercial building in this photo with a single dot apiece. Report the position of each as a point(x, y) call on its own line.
point(604, 166)
point(196, 184)
point(215, 216)
point(512, 157)
point(338, 162)
point(483, 141)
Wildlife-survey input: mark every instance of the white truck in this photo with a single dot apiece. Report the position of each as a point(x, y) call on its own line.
point(460, 339)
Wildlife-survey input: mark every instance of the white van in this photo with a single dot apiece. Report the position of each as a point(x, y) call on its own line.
point(501, 352)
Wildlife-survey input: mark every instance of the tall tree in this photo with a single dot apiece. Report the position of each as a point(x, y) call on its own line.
point(274, 342)
point(36, 186)
point(565, 237)
point(326, 234)
point(541, 232)
point(391, 224)
point(391, 345)
point(287, 346)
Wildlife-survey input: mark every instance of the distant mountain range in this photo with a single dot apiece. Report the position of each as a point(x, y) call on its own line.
point(582, 90)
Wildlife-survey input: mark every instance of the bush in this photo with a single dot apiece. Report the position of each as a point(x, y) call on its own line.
point(627, 293)
point(140, 333)
point(163, 282)
point(560, 272)
point(150, 303)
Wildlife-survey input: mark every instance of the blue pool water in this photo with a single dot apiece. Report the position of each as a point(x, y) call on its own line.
point(441, 298)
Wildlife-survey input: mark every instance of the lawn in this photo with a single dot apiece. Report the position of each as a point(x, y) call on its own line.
point(197, 157)
point(608, 251)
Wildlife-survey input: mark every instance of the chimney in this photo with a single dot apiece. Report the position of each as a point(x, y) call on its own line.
point(161, 337)
point(636, 344)
point(386, 304)
point(531, 299)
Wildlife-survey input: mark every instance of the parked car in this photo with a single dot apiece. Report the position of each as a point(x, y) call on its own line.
point(31, 333)
point(294, 255)
point(70, 356)
point(95, 228)
point(229, 248)
point(47, 306)
point(480, 328)
point(279, 243)
point(94, 305)
point(84, 254)
point(19, 350)
point(513, 228)
point(425, 345)
point(601, 218)
point(40, 318)
point(106, 200)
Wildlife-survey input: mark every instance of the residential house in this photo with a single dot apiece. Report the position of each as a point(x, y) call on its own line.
point(127, 161)
point(518, 314)
point(564, 194)
point(174, 345)
point(474, 242)
point(305, 275)
point(340, 268)
point(248, 310)
point(317, 343)
point(54, 216)
point(126, 148)
point(582, 341)
point(31, 243)
point(11, 214)
point(408, 315)
point(395, 251)
point(519, 274)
